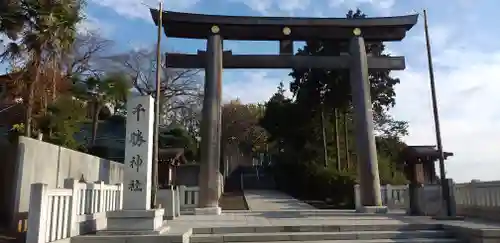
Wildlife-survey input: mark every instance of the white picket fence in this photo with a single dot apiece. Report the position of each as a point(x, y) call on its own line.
point(56, 214)
point(394, 197)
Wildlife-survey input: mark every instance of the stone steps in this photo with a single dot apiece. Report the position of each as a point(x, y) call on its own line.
point(377, 241)
point(319, 236)
point(411, 233)
point(316, 228)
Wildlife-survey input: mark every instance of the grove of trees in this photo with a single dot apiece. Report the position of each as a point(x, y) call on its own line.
point(305, 164)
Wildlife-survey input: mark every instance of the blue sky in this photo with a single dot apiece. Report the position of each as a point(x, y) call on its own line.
point(466, 54)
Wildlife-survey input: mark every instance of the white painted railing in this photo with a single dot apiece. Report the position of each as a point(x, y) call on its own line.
point(189, 197)
point(56, 214)
point(394, 197)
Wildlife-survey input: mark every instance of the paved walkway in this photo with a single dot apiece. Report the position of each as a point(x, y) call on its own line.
point(267, 200)
point(271, 208)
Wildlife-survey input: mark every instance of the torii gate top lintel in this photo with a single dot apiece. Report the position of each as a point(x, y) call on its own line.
point(198, 26)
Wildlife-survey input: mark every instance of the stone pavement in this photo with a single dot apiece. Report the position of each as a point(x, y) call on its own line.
point(275, 210)
point(268, 200)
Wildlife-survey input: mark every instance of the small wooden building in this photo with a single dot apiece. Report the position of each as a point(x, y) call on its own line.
point(168, 161)
point(419, 163)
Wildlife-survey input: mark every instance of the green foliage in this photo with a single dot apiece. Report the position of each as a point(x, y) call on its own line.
point(18, 128)
point(63, 121)
point(313, 86)
point(310, 180)
point(112, 89)
point(42, 33)
point(294, 128)
point(179, 137)
point(240, 126)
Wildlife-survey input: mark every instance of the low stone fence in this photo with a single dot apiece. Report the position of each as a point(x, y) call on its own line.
point(394, 197)
point(189, 197)
point(79, 208)
point(474, 199)
point(478, 199)
point(179, 199)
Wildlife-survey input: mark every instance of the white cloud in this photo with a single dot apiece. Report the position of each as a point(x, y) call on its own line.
point(466, 84)
point(91, 24)
point(139, 9)
point(276, 7)
point(440, 35)
point(261, 6)
point(252, 87)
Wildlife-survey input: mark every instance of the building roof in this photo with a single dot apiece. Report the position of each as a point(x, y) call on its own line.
point(172, 155)
point(428, 152)
point(10, 76)
point(198, 26)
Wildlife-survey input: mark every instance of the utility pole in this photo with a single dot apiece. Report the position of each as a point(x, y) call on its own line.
point(444, 183)
point(156, 133)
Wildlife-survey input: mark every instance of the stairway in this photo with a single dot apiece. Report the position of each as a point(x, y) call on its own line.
point(396, 233)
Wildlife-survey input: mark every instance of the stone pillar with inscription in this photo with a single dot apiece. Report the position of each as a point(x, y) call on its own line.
point(366, 150)
point(210, 136)
point(137, 217)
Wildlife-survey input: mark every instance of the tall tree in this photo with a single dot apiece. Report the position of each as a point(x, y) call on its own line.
point(11, 18)
point(63, 120)
point(240, 127)
point(111, 89)
point(331, 87)
point(294, 125)
point(47, 30)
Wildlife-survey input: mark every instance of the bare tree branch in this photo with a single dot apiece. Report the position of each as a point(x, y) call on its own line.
point(181, 89)
point(88, 51)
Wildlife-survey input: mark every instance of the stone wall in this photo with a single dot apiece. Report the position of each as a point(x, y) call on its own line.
point(41, 162)
point(8, 153)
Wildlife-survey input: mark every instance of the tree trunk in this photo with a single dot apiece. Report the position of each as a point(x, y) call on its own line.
point(346, 141)
point(54, 85)
point(323, 132)
point(30, 101)
point(95, 121)
point(337, 141)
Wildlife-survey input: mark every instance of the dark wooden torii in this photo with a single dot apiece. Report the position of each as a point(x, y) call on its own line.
point(216, 28)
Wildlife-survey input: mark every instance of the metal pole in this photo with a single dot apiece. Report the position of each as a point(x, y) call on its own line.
point(156, 134)
point(444, 183)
